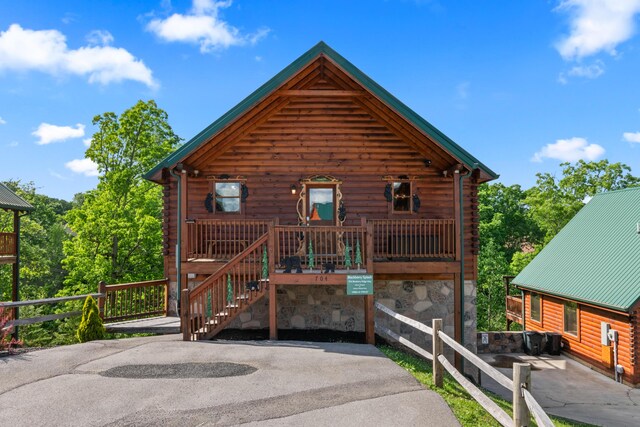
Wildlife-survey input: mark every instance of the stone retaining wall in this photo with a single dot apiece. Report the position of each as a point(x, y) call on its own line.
point(500, 342)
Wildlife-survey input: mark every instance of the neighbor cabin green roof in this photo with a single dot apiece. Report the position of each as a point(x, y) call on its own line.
point(270, 86)
point(10, 200)
point(595, 258)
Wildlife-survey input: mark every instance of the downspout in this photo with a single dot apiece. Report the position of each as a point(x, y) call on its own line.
point(524, 319)
point(461, 219)
point(178, 253)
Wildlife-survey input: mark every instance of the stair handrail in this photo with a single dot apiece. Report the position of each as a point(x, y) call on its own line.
point(232, 263)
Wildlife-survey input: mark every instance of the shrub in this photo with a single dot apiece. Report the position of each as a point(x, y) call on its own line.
point(7, 342)
point(91, 327)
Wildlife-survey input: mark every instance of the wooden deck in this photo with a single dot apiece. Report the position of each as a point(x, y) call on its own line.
point(154, 325)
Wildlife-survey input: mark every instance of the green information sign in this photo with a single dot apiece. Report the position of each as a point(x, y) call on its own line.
point(360, 284)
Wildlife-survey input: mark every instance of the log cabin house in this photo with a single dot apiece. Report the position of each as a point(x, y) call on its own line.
point(10, 238)
point(586, 283)
point(314, 195)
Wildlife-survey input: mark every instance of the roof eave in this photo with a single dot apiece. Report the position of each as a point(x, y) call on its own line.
point(270, 86)
point(574, 298)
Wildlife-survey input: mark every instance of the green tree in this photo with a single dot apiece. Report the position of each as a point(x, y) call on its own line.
point(553, 202)
point(265, 264)
point(117, 226)
point(505, 219)
point(91, 327)
point(490, 299)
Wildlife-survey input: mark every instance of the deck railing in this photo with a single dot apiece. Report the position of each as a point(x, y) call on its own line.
point(133, 300)
point(337, 247)
point(7, 244)
point(212, 304)
point(514, 305)
point(216, 239)
point(413, 238)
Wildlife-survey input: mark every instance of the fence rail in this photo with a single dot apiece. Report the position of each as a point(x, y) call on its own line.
point(414, 238)
point(524, 404)
point(8, 244)
point(116, 302)
point(47, 317)
point(133, 300)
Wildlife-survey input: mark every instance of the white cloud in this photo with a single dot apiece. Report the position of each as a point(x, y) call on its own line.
point(569, 150)
point(202, 25)
point(633, 137)
point(51, 133)
point(47, 51)
point(13, 144)
point(597, 26)
point(85, 167)
point(592, 71)
point(86, 142)
point(100, 38)
point(2, 121)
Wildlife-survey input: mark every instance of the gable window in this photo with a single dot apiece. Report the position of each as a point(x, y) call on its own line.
point(401, 197)
point(227, 196)
point(535, 307)
point(571, 318)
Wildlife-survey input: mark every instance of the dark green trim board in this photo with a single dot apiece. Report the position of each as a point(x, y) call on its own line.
point(270, 86)
point(595, 258)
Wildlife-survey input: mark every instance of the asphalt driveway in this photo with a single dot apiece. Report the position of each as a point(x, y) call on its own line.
point(264, 383)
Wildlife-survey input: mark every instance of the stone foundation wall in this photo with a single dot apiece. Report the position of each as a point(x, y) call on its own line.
point(500, 342)
point(328, 307)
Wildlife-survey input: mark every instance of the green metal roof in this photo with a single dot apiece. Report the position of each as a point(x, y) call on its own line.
point(10, 200)
point(596, 257)
point(321, 49)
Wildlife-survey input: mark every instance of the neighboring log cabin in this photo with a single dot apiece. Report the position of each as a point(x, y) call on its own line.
point(10, 238)
point(318, 187)
point(586, 282)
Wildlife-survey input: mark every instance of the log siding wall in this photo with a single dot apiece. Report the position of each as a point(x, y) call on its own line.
point(587, 345)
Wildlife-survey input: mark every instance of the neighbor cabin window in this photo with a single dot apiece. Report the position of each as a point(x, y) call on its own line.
point(401, 197)
point(227, 196)
point(535, 307)
point(571, 318)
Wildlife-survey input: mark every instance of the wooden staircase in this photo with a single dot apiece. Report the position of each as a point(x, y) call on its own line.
point(209, 307)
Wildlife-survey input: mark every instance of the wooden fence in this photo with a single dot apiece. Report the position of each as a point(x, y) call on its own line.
point(137, 300)
point(116, 302)
point(8, 244)
point(524, 404)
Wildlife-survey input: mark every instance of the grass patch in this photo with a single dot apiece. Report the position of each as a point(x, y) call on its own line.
point(464, 407)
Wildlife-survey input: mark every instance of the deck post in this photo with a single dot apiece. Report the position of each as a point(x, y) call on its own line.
point(166, 296)
point(521, 378)
point(369, 317)
point(437, 350)
point(185, 318)
point(102, 289)
point(273, 305)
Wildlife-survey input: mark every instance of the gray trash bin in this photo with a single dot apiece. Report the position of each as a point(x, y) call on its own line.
point(533, 343)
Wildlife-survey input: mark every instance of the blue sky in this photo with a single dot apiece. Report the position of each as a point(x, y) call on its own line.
point(523, 85)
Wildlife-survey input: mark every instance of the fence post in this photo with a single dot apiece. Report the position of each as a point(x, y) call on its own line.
point(437, 350)
point(102, 289)
point(521, 377)
point(166, 296)
point(186, 318)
